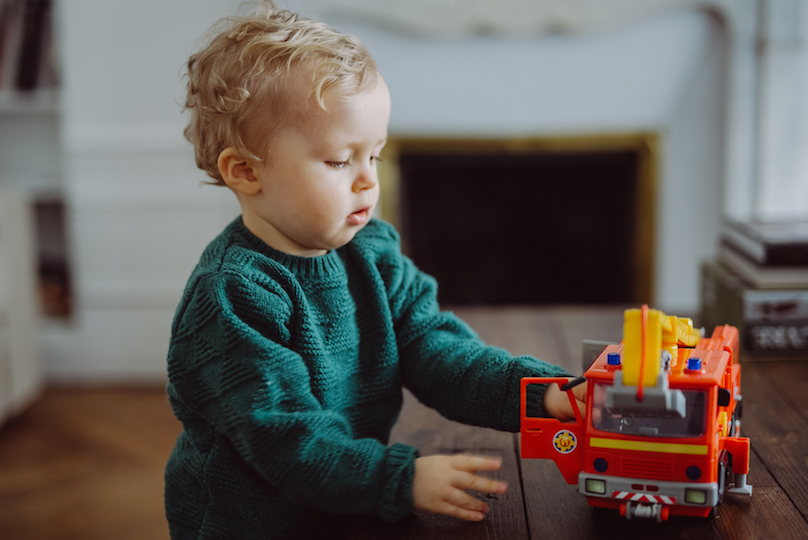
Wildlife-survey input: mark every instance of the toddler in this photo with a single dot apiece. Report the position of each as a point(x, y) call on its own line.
point(302, 321)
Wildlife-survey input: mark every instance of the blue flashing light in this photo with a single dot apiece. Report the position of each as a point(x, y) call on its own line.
point(613, 359)
point(694, 364)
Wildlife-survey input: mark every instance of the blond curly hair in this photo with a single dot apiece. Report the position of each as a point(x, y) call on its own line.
point(238, 84)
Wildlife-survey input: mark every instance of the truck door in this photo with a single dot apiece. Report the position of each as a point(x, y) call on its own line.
point(549, 438)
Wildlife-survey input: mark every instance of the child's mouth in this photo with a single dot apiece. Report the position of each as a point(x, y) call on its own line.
point(360, 217)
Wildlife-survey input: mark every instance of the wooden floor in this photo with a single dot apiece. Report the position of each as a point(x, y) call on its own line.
point(87, 463)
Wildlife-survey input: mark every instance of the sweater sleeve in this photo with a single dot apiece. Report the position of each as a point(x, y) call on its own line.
point(231, 363)
point(447, 366)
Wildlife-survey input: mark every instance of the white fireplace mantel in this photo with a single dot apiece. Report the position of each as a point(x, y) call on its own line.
point(442, 20)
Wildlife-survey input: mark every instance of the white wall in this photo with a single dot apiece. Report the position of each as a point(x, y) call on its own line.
point(783, 115)
point(139, 216)
point(692, 179)
point(121, 66)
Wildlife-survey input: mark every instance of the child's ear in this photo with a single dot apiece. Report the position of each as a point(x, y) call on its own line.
point(237, 172)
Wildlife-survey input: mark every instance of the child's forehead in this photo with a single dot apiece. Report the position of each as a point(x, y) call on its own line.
point(346, 118)
point(330, 126)
point(305, 107)
point(305, 80)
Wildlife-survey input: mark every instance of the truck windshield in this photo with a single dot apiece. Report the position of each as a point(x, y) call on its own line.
point(692, 425)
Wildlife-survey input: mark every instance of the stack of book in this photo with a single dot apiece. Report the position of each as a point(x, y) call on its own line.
point(759, 282)
point(27, 59)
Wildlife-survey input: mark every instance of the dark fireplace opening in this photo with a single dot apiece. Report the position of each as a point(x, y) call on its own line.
point(524, 228)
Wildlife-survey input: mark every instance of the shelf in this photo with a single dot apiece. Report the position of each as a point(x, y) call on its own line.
point(44, 101)
point(41, 187)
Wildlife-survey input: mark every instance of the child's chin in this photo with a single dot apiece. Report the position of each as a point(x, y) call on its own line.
point(336, 243)
point(346, 240)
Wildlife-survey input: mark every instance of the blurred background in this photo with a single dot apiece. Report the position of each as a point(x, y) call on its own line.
point(682, 112)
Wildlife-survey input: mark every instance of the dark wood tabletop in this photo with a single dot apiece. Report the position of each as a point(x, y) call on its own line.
point(540, 504)
point(88, 463)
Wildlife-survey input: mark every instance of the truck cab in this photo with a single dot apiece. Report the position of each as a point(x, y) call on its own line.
point(660, 433)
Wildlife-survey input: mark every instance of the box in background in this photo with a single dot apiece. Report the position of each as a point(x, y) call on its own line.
point(772, 322)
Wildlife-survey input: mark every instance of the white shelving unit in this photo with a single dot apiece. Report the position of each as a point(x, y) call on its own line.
point(20, 370)
point(30, 152)
point(44, 102)
point(30, 172)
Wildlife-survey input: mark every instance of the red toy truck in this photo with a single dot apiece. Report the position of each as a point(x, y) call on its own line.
point(663, 411)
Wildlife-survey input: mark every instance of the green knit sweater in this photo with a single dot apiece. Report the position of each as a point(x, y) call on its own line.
point(287, 372)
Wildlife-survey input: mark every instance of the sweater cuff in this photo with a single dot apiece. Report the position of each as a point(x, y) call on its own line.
point(399, 470)
point(511, 415)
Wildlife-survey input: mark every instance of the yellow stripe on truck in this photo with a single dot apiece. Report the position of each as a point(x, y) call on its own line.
point(666, 448)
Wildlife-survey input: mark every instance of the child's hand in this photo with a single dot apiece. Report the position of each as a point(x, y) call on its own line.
point(439, 484)
point(557, 404)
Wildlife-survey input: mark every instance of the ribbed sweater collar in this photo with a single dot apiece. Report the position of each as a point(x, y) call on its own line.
point(324, 264)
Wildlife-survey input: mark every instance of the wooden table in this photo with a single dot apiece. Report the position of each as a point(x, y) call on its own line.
point(541, 505)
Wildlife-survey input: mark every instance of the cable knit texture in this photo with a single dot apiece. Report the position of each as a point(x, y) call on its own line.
point(286, 373)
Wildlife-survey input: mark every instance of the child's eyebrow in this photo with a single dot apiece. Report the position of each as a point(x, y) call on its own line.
point(337, 147)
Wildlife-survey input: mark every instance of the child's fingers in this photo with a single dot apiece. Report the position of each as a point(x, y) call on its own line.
point(440, 485)
point(466, 467)
point(465, 506)
point(580, 395)
point(463, 500)
point(579, 391)
point(466, 462)
point(448, 509)
point(474, 482)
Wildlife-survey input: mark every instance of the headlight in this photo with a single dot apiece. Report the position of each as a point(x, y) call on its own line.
point(595, 486)
point(695, 496)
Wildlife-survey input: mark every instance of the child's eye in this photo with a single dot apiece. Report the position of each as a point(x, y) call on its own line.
point(377, 159)
point(337, 164)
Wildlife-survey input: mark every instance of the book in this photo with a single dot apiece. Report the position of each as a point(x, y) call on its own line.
point(773, 322)
point(35, 13)
point(761, 276)
point(10, 38)
point(769, 243)
point(48, 76)
point(5, 27)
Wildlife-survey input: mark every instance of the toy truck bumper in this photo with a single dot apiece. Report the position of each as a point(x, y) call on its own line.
point(625, 493)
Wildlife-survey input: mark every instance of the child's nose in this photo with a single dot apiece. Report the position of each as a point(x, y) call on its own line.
point(366, 179)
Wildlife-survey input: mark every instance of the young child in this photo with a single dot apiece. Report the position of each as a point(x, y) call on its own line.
point(303, 321)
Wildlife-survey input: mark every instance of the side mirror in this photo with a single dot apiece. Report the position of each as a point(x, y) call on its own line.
point(723, 397)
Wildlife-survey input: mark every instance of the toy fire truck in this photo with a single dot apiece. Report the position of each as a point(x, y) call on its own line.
point(660, 434)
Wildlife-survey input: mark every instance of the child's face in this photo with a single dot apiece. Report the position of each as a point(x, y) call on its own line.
point(318, 184)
